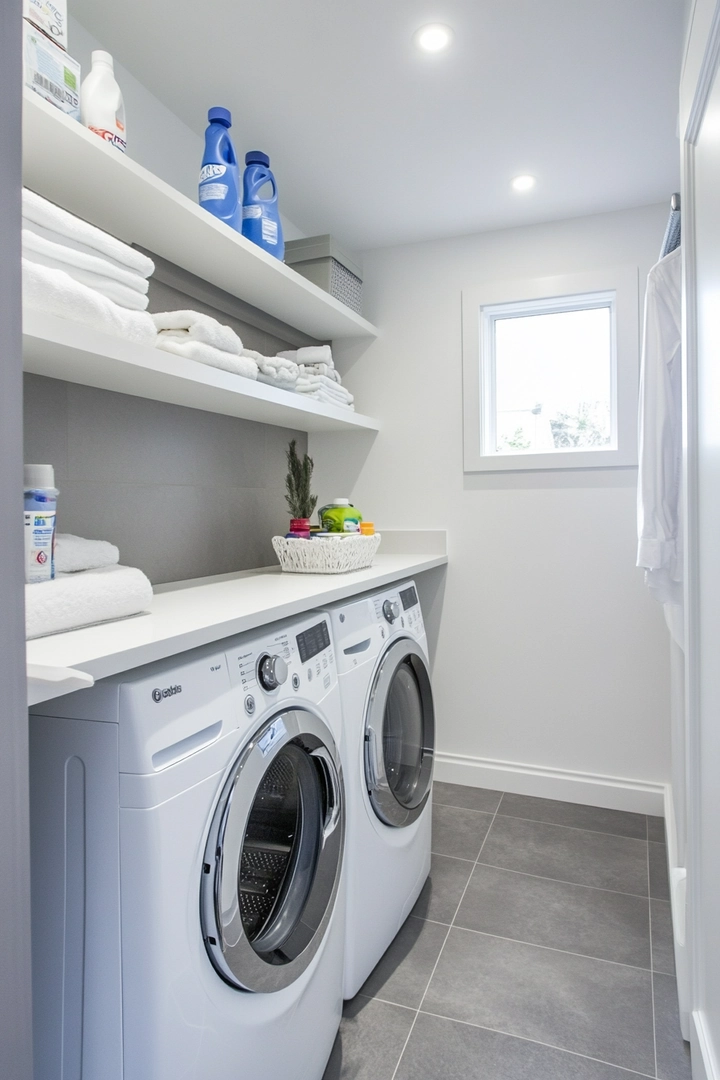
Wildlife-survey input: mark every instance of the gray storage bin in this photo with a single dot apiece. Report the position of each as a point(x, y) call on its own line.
point(320, 260)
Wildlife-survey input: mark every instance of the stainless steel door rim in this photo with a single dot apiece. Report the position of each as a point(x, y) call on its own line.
point(398, 759)
point(273, 856)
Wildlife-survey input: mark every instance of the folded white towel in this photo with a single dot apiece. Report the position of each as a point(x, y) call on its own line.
point(308, 383)
point(74, 229)
point(59, 294)
point(328, 398)
point(206, 354)
point(105, 286)
point(274, 370)
point(92, 596)
point(61, 257)
point(310, 354)
point(75, 245)
point(74, 554)
point(199, 327)
point(320, 369)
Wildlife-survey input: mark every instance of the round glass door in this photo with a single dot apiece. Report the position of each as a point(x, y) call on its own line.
point(273, 856)
point(400, 735)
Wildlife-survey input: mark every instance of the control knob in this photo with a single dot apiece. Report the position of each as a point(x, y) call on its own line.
point(272, 672)
point(391, 610)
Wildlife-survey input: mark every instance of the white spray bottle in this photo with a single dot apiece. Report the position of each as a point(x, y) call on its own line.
point(101, 102)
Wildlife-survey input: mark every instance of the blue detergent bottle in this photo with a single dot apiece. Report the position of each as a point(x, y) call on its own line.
point(260, 215)
point(219, 188)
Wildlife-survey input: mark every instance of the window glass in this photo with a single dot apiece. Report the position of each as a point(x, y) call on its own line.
point(551, 388)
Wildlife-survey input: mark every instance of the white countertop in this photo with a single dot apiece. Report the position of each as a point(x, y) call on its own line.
point(192, 613)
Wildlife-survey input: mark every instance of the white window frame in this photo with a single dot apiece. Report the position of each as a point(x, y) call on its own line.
point(483, 305)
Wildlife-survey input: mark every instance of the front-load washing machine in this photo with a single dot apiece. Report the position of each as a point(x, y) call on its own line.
point(388, 749)
point(187, 828)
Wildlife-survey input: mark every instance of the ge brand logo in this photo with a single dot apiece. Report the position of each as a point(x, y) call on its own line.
point(169, 691)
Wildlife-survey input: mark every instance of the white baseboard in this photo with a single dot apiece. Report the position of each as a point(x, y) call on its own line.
point(613, 792)
point(704, 1063)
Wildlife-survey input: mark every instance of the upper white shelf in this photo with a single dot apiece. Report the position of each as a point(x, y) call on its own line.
point(71, 166)
point(76, 353)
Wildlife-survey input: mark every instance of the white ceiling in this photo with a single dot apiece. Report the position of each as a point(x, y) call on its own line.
point(379, 144)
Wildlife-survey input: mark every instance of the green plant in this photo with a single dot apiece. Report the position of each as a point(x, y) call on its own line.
point(297, 483)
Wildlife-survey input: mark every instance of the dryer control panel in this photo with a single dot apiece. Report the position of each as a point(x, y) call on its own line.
point(399, 609)
point(362, 628)
point(286, 660)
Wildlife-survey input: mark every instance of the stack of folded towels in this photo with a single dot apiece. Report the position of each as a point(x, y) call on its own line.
point(317, 375)
point(200, 337)
point(74, 270)
point(89, 587)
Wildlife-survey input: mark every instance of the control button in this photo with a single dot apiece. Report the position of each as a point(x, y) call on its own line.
point(391, 610)
point(309, 670)
point(272, 672)
point(296, 681)
point(249, 704)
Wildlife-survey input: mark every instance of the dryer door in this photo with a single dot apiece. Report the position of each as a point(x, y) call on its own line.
point(400, 735)
point(274, 853)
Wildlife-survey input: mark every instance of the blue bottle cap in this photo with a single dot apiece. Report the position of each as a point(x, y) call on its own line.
point(256, 157)
point(218, 115)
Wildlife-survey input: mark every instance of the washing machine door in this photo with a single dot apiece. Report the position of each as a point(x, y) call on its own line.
point(274, 853)
point(400, 735)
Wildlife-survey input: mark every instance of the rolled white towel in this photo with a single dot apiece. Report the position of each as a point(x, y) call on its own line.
point(113, 290)
point(199, 327)
point(75, 553)
point(57, 293)
point(310, 354)
point(76, 231)
point(206, 354)
point(85, 598)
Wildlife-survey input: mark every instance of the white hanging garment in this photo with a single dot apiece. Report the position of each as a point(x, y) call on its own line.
point(660, 441)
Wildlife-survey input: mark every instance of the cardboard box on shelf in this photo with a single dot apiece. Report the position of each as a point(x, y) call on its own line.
point(50, 16)
point(50, 71)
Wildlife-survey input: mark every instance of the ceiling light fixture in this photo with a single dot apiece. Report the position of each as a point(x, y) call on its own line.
point(523, 183)
point(433, 38)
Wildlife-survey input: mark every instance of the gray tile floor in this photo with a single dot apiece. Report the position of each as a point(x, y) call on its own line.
point(539, 949)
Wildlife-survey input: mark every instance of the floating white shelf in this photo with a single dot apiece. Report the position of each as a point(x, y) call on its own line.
point(67, 350)
point(194, 613)
point(68, 164)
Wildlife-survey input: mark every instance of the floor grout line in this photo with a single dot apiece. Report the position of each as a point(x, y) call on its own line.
point(550, 948)
point(652, 968)
point(562, 881)
point(538, 1042)
point(442, 949)
point(577, 828)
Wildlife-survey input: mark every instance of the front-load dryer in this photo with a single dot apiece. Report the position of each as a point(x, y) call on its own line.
point(187, 827)
point(388, 750)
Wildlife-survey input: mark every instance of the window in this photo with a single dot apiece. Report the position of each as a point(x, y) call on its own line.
point(550, 373)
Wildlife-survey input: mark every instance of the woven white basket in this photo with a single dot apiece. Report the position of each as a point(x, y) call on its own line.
point(326, 555)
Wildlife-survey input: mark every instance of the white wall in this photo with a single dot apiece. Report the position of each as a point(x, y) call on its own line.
point(550, 651)
point(157, 138)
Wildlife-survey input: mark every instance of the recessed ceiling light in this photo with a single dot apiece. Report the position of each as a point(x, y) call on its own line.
point(523, 183)
point(433, 38)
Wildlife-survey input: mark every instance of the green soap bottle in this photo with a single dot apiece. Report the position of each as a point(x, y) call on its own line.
point(339, 516)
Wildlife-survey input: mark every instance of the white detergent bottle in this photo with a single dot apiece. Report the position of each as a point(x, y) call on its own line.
point(101, 102)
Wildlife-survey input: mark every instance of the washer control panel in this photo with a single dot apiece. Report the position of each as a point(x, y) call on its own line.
point(284, 661)
point(399, 609)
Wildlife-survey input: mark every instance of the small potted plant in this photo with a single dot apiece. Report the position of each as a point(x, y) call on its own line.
point(297, 486)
